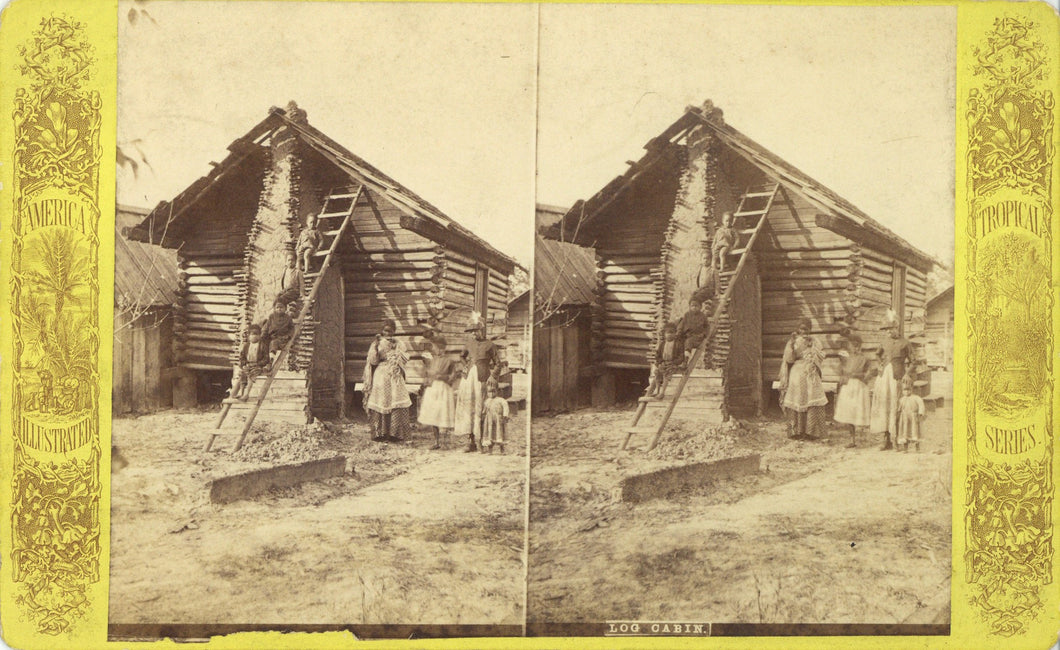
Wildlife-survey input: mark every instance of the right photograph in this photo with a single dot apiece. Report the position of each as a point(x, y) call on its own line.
point(742, 321)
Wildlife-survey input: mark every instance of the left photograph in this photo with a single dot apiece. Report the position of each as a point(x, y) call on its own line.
point(323, 239)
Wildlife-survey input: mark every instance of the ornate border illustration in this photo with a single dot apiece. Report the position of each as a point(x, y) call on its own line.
point(56, 486)
point(1009, 484)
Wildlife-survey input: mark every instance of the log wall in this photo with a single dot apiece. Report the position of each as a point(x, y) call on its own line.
point(142, 360)
point(630, 267)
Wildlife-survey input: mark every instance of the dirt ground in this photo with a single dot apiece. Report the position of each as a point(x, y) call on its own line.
point(412, 536)
point(822, 534)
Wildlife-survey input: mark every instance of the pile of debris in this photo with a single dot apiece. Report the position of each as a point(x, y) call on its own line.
point(276, 444)
point(695, 442)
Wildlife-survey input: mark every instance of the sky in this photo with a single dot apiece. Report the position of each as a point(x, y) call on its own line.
point(440, 97)
point(859, 98)
point(452, 101)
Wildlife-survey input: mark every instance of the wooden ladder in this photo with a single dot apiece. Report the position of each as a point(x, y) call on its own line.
point(752, 219)
point(339, 204)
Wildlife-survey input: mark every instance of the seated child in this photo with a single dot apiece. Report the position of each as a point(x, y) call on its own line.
point(911, 413)
point(309, 241)
point(666, 355)
point(278, 329)
point(853, 402)
point(692, 328)
point(291, 282)
point(724, 239)
point(495, 418)
point(437, 409)
point(253, 360)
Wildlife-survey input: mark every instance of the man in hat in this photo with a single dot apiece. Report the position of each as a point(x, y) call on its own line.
point(482, 357)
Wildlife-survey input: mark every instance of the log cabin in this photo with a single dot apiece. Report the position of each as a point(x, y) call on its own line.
point(398, 258)
point(145, 288)
point(815, 256)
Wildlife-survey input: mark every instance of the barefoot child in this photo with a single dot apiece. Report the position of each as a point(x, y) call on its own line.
point(278, 329)
point(496, 418)
point(911, 413)
point(853, 402)
point(253, 360)
point(309, 241)
point(437, 410)
point(666, 355)
point(692, 329)
point(724, 240)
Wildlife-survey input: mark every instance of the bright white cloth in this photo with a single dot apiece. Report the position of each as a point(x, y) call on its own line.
point(884, 403)
point(439, 405)
point(853, 403)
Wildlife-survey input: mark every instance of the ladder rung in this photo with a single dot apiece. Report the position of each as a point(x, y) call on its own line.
point(747, 231)
point(737, 251)
point(755, 195)
point(330, 215)
point(322, 253)
point(342, 196)
point(331, 233)
point(749, 213)
point(649, 399)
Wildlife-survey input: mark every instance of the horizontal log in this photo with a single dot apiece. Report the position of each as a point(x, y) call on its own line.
point(626, 278)
point(639, 268)
point(805, 285)
point(608, 258)
point(377, 287)
point(207, 308)
point(820, 255)
point(229, 290)
point(222, 272)
point(615, 306)
point(622, 299)
point(193, 280)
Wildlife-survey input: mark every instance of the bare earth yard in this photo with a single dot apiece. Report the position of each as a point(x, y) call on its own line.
point(412, 536)
point(822, 534)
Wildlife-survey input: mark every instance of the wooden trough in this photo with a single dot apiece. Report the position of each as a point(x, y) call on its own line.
point(254, 483)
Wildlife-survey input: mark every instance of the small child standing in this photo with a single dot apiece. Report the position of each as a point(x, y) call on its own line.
point(911, 413)
point(853, 402)
point(692, 329)
point(495, 423)
point(665, 361)
point(724, 240)
point(309, 241)
point(437, 410)
point(253, 360)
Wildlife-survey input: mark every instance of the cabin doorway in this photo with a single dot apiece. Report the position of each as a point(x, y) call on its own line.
point(898, 295)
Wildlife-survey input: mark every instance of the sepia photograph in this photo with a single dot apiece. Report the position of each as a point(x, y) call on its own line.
point(320, 367)
point(743, 321)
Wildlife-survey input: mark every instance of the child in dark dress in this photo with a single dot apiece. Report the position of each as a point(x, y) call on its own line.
point(692, 328)
point(278, 328)
point(253, 360)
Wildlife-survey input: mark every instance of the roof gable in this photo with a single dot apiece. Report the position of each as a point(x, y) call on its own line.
point(839, 214)
point(417, 208)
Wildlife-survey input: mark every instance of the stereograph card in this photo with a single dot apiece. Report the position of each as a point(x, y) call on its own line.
point(528, 325)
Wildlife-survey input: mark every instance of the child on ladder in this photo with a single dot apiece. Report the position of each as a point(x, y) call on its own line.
point(309, 242)
point(692, 328)
point(253, 360)
point(665, 361)
point(278, 328)
point(724, 240)
point(437, 410)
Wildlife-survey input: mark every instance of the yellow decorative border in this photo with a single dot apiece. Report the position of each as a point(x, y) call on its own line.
point(1009, 486)
point(54, 519)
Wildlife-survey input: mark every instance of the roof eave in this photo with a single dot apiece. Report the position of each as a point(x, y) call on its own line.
point(881, 241)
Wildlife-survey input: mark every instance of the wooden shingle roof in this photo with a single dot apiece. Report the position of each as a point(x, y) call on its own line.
point(144, 274)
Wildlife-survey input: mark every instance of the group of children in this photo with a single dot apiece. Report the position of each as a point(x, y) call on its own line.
point(263, 345)
point(452, 401)
point(857, 406)
point(680, 338)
